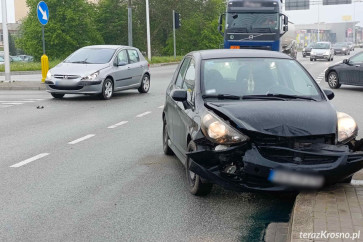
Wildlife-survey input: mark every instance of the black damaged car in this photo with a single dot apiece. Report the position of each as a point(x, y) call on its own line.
point(256, 120)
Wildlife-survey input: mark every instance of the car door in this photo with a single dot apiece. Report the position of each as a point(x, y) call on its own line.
point(357, 65)
point(171, 105)
point(122, 75)
point(351, 72)
point(185, 120)
point(136, 68)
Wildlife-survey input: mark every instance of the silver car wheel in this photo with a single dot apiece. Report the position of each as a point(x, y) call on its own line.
point(333, 80)
point(108, 89)
point(146, 82)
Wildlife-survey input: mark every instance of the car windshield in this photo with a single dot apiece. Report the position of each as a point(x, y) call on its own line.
point(322, 46)
point(257, 76)
point(91, 56)
point(252, 22)
point(340, 45)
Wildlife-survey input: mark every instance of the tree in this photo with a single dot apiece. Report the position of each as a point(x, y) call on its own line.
point(111, 19)
point(71, 26)
point(12, 48)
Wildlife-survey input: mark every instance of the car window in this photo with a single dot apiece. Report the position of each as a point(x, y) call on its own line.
point(257, 76)
point(122, 57)
point(189, 80)
point(134, 56)
point(183, 68)
point(356, 59)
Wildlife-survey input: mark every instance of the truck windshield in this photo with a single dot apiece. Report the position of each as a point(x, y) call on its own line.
point(252, 22)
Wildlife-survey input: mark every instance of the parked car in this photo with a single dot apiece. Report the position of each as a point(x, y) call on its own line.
point(349, 72)
point(322, 50)
point(306, 51)
point(16, 59)
point(26, 58)
point(351, 45)
point(100, 69)
point(341, 48)
point(252, 119)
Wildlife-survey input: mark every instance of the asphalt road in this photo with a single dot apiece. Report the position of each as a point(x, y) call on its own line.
point(82, 169)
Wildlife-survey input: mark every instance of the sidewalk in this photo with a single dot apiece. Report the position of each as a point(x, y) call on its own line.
point(336, 209)
point(22, 85)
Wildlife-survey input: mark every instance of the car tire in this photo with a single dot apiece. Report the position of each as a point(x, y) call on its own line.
point(145, 84)
point(166, 148)
point(195, 184)
point(347, 180)
point(57, 95)
point(107, 89)
point(304, 56)
point(333, 80)
point(311, 59)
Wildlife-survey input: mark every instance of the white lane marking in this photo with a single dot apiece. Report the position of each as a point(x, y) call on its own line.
point(357, 182)
point(12, 103)
point(162, 106)
point(143, 114)
point(118, 124)
point(81, 139)
point(24, 162)
point(32, 99)
point(16, 101)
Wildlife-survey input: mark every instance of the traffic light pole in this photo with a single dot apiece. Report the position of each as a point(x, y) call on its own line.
point(148, 31)
point(174, 34)
point(129, 10)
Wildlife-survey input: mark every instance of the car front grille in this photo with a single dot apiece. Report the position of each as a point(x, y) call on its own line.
point(289, 149)
point(66, 87)
point(69, 77)
point(299, 158)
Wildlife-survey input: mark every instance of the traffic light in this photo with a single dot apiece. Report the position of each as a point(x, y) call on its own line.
point(177, 20)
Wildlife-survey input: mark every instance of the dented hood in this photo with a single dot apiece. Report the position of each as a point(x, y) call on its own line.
point(281, 118)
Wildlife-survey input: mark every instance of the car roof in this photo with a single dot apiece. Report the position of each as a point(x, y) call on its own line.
point(229, 53)
point(108, 46)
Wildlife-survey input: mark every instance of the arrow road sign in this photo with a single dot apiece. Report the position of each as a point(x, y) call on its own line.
point(43, 13)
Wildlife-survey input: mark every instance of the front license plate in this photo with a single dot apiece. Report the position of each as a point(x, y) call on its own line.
point(295, 179)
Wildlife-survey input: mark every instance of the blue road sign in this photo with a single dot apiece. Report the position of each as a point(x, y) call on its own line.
point(43, 13)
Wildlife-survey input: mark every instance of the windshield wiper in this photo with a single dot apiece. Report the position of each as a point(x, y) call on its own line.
point(223, 96)
point(292, 96)
point(80, 62)
point(282, 97)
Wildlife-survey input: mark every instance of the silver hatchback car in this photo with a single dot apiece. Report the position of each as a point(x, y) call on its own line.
point(100, 69)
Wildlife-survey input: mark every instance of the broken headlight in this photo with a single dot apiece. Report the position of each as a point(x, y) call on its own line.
point(347, 127)
point(220, 132)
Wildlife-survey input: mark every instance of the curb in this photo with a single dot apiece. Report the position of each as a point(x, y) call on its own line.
point(19, 73)
point(164, 64)
point(27, 85)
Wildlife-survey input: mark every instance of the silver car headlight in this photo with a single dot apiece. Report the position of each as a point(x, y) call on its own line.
point(49, 75)
point(327, 52)
point(313, 52)
point(91, 77)
point(220, 132)
point(347, 127)
point(344, 49)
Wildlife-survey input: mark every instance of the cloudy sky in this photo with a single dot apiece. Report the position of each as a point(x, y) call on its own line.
point(328, 14)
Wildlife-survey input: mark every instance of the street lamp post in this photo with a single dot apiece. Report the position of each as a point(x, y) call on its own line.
point(129, 10)
point(5, 41)
point(148, 31)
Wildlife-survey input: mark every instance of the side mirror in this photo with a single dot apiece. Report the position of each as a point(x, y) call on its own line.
point(122, 63)
point(220, 24)
point(286, 20)
point(329, 94)
point(179, 95)
point(346, 61)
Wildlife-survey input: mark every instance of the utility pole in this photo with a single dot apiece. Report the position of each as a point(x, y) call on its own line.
point(148, 31)
point(129, 8)
point(318, 22)
point(354, 23)
point(174, 34)
point(6, 41)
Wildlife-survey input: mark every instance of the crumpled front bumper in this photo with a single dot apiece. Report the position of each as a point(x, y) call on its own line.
point(334, 163)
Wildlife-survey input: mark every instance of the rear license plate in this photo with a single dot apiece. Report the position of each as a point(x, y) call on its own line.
point(295, 179)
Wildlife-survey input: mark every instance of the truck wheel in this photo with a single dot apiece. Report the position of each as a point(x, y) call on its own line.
point(195, 184)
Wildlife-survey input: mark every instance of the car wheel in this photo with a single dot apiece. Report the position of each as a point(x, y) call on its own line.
point(196, 185)
point(107, 89)
point(145, 84)
point(304, 56)
point(333, 80)
point(166, 148)
point(347, 180)
point(311, 59)
point(57, 95)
